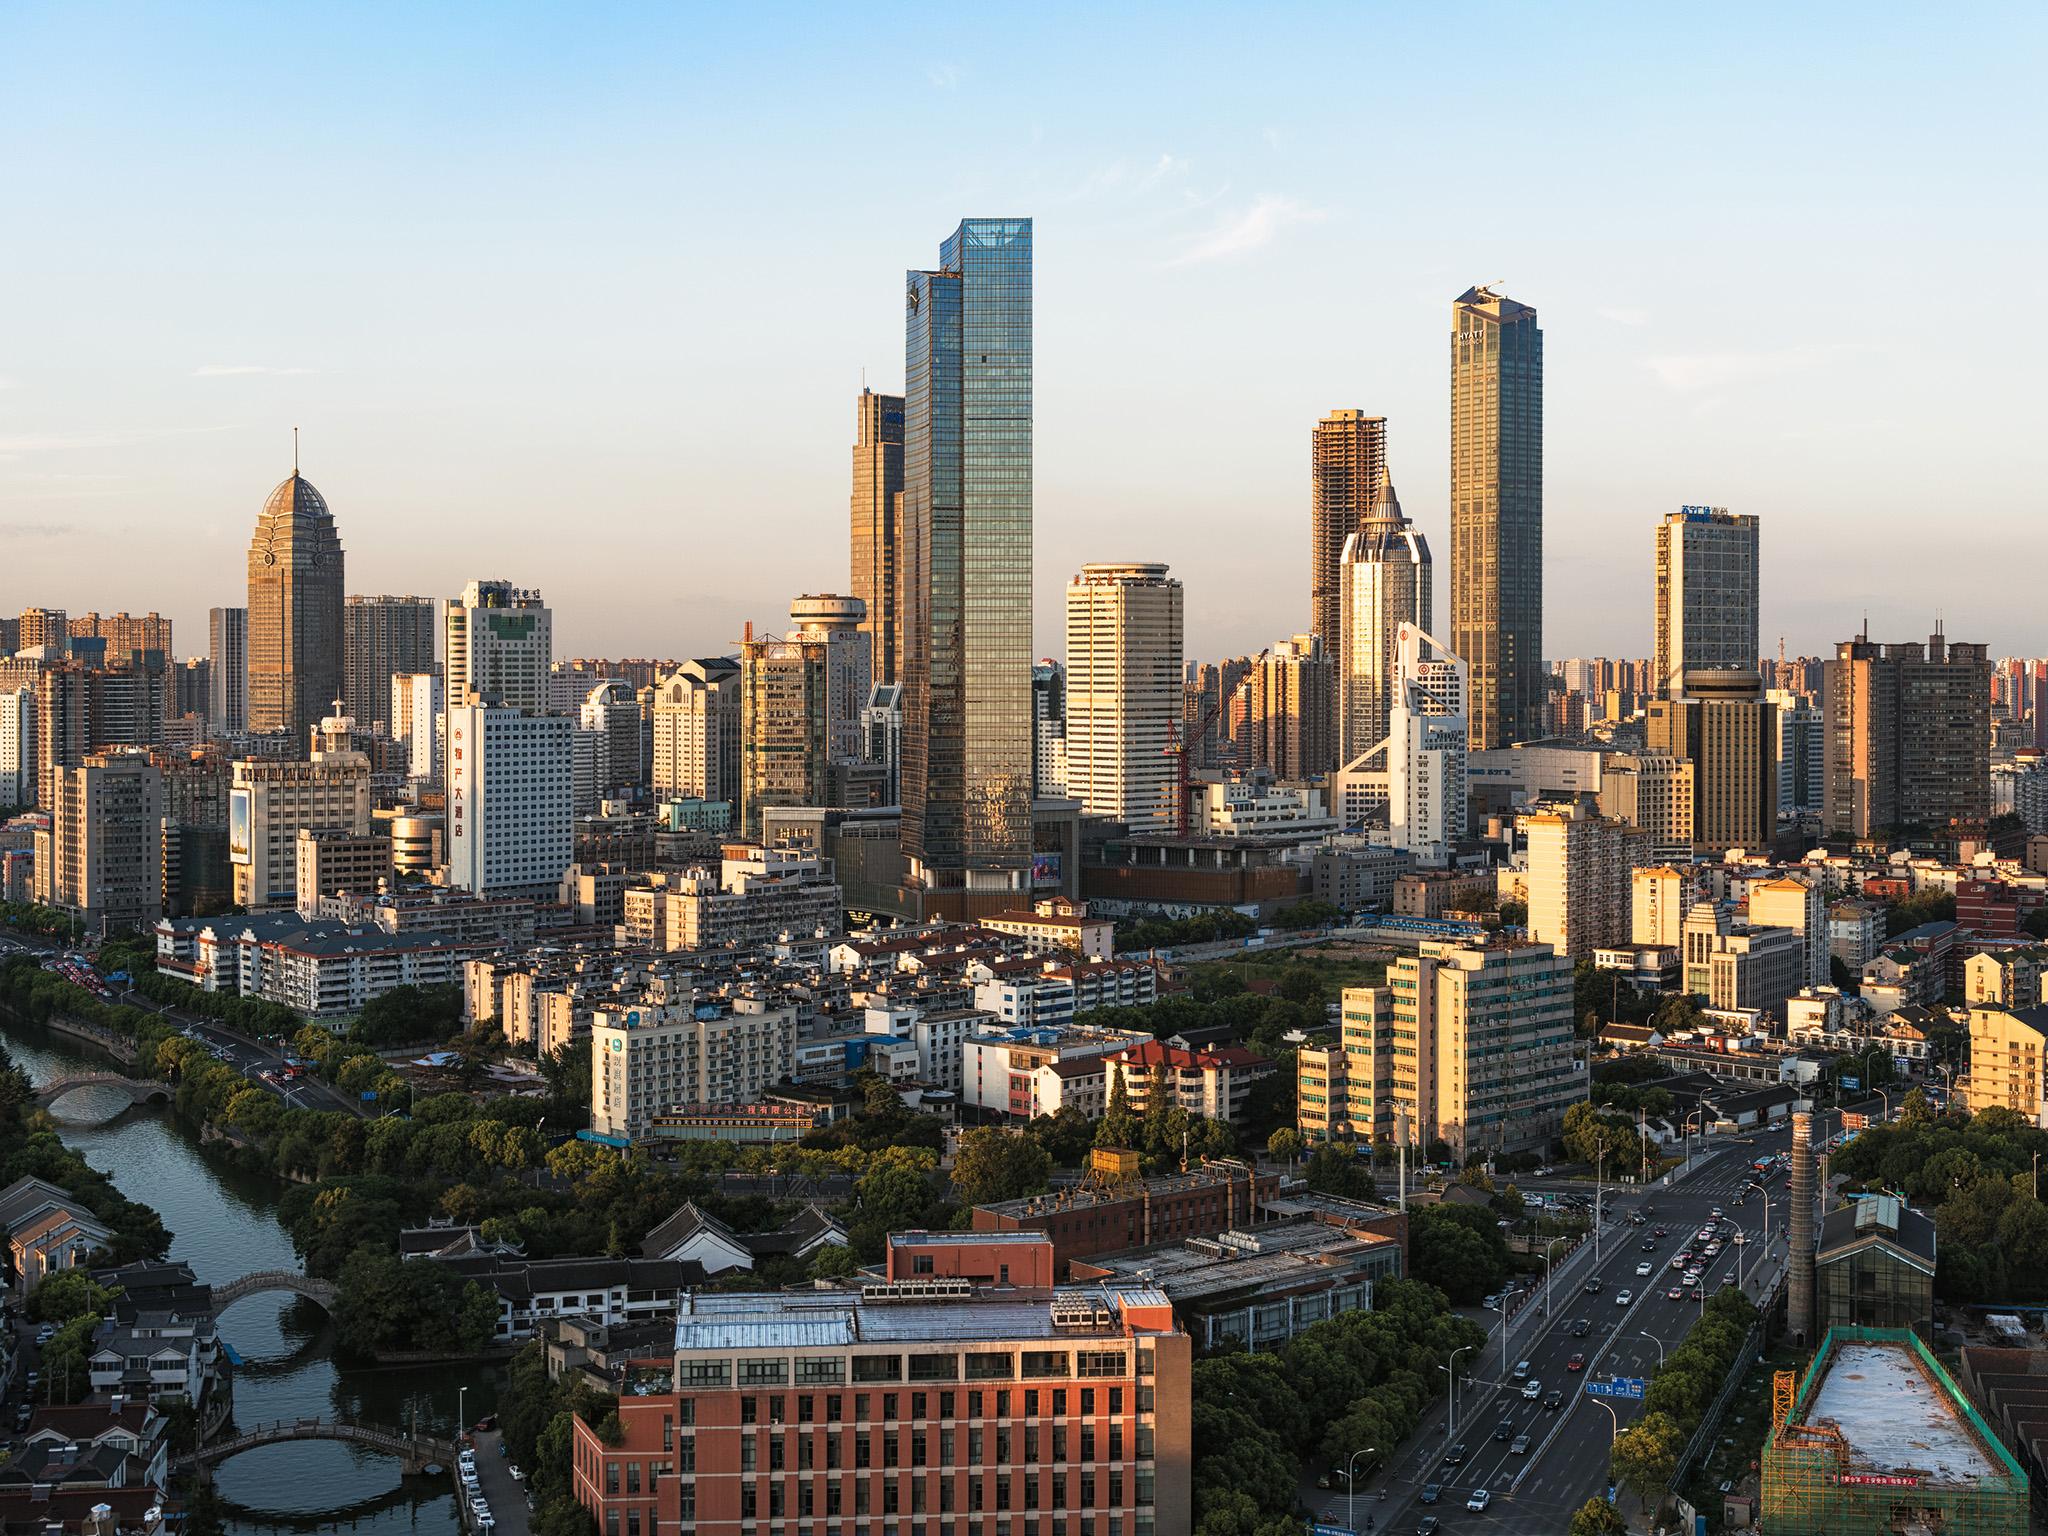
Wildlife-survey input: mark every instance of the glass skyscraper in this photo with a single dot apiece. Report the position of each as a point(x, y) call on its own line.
point(1497, 514)
point(294, 624)
point(965, 532)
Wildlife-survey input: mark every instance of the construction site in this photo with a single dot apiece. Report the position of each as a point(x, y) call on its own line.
point(1877, 1437)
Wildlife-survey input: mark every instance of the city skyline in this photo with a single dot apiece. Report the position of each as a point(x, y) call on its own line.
point(1684, 370)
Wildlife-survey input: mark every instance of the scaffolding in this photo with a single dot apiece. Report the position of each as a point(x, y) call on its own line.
point(1878, 1438)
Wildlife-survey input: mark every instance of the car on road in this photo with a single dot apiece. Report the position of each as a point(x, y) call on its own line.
point(1714, 1249)
point(1532, 1389)
point(1645, 1269)
point(1739, 1239)
point(1520, 1447)
point(44, 1334)
point(1543, 1172)
point(1676, 1293)
point(1715, 1213)
point(1431, 1492)
point(1682, 1258)
point(1623, 1298)
point(1592, 1287)
point(1660, 1232)
point(1553, 1400)
point(1455, 1456)
point(1582, 1327)
point(1479, 1500)
point(1504, 1430)
point(1692, 1276)
point(1429, 1527)
point(1649, 1245)
point(1576, 1363)
point(1521, 1370)
point(1695, 1294)
point(23, 1412)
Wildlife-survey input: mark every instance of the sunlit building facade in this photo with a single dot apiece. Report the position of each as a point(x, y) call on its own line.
point(294, 614)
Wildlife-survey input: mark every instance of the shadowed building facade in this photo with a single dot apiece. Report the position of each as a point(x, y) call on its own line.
point(877, 490)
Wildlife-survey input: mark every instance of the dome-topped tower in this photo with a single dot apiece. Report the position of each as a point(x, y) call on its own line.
point(295, 607)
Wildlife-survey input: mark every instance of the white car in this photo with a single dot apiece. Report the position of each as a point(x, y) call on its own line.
point(1532, 1388)
point(1643, 1269)
point(1623, 1298)
point(1479, 1500)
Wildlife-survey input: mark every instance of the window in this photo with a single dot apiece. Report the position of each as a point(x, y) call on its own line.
point(993, 1367)
point(860, 1450)
point(1031, 1403)
point(764, 1373)
point(921, 1264)
point(877, 1367)
point(748, 1410)
point(705, 1373)
point(818, 1370)
point(1116, 1399)
point(1087, 1400)
point(1091, 1362)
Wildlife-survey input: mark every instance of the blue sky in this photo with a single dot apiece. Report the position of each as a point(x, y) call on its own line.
point(580, 296)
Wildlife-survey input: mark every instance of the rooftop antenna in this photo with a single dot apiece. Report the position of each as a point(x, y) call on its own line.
point(295, 453)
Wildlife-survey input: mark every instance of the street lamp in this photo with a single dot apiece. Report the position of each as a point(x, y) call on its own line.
point(1699, 1115)
point(1656, 1341)
point(1451, 1405)
point(1351, 1487)
point(461, 1395)
point(1599, 1174)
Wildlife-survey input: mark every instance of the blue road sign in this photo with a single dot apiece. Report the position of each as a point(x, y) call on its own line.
point(1851, 1084)
point(1317, 1529)
point(1630, 1387)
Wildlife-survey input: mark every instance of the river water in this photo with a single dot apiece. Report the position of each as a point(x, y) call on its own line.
point(224, 1224)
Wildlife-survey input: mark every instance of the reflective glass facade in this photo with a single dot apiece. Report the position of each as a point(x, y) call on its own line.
point(294, 626)
point(1497, 514)
point(965, 541)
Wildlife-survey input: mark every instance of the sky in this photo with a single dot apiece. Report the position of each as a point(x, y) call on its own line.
point(580, 296)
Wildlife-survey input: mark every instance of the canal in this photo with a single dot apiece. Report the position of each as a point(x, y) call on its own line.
point(224, 1224)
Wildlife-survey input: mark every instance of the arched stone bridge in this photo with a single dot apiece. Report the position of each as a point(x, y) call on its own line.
point(320, 1291)
point(416, 1450)
point(138, 1090)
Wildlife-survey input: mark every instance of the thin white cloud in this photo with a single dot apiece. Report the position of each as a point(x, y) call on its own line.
point(1252, 229)
point(238, 370)
point(1691, 372)
point(1624, 316)
point(944, 77)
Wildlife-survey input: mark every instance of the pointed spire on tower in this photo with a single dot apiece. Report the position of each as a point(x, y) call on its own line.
point(295, 453)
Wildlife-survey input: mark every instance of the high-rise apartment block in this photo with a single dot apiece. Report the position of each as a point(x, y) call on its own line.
point(964, 536)
point(17, 748)
point(1908, 737)
point(1660, 896)
point(1728, 731)
point(1384, 581)
point(1707, 588)
point(1427, 746)
point(783, 711)
point(295, 607)
point(497, 644)
point(877, 491)
point(840, 625)
point(123, 634)
point(1049, 729)
point(81, 708)
point(227, 634)
point(697, 731)
point(1348, 463)
point(511, 828)
point(417, 704)
point(45, 629)
point(383, 638)
point(654, 1058)
point(102, 858)
point(272, 800)
point(1473, 1045)
point(1291, 719)
point(611, 714)
point(1497, 513)
point(1802, 906)
point(1802, 751)
point(1654, 791)
point(1123, 692)
point(1581, 879)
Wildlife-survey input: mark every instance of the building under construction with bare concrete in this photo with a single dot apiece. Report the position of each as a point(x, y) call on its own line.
point(1878, 1437)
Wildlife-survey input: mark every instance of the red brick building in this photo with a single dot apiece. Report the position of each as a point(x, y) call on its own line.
point(927, 1408)
point(1215, 1197)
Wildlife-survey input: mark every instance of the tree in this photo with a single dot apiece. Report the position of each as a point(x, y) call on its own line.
point(67, 1294)
point(1286, 1145)
point(1158, 1131)
point(1597, 1517)
point(1118, 1126)
point(834, 1261)
point(1514, 914)
point(1334, 1170)
point(67, 1360)
point(996, 1164)
point(1300, 984)
point(1458, 1249)
point(1645, 1456)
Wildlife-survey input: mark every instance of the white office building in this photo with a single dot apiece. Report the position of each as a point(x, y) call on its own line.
point(1124, 692)
point(18, 748)
point(705, 1051)
point(1426, 745)
point(511, 821)
point(417, 703)
point(498, 641)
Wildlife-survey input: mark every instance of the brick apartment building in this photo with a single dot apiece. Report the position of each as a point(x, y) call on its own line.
point(1137, 1213)
point(923, 1406)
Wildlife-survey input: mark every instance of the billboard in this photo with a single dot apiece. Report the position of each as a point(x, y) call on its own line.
point(238, 826)
point(1045, 871)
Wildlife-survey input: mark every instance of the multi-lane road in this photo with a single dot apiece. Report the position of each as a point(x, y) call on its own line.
point(1628, 1319)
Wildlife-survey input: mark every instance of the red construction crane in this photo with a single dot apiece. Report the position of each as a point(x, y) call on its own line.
point(1177, 749)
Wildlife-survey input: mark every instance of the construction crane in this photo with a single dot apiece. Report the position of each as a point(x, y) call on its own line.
point(1177, 748)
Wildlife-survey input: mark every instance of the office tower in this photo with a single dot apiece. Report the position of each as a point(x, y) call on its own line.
point(227, 631)
point(294, 624)
point(17, 748)
point(102, 858)
point(1728, 731)
point(271, 800)
point(382, 638)
point(511, 829)
point(1384, 581)
point(417, 704)
point(881, 727)
point(1654, 791)
point(840, 625)
point(1348, 462)
point(697, 732)
point(1291, 713)
point(189, 688)
point(1427, 741)
point(569, 684)
point(964, 535)
point(1802, 906)
point(1706, 594)
point(783, 756)
point(1658, 902)
point(1800, 1242)
point(1582, 879)
point(1124, 692)
point(1049, 729)
point(877, 487)
point(47, 628)
point(612, 714)
point(1801, 751)
point(1472, 1045)
point(1908, 737)
point(497, 643)
point(1497, 513)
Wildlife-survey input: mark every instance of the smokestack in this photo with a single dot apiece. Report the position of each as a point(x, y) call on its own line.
point(1799, 1255)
